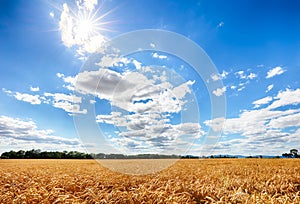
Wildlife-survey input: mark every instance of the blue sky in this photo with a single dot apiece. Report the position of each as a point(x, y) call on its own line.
point(57, 75)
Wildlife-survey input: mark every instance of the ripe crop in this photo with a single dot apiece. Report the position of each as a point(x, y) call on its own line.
point(187, 181)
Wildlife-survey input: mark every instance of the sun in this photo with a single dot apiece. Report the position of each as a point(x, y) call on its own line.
point(86, 27)
point(87, 24)
point(83, 27)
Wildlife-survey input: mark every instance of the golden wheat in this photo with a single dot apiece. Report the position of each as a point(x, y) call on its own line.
point(188, 181)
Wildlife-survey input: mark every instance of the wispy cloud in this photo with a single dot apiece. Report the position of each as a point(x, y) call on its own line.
point(156, 55)
point(68, 102)
point(274, 72)
point(269, 88)
point(262, 101)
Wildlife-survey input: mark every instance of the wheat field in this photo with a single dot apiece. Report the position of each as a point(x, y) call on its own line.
point(187, 181)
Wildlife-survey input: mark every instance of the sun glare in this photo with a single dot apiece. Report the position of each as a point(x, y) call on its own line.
point(88, 24)
point(85, 28)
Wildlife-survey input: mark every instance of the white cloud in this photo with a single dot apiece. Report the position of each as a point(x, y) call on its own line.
point(152, 45)
point(216, 77)
point(262, 101)
point(151, 132)
point(69, 107)
point(110, 60)
point(241, 87)
point(92, 101)
point(275, 71)
point(32, 99)
point(137, 64)
point(269, 88)
point(224, 74)
point(80, 27)
point(69, 103)
point(60, 75)
point(20, 130)
point(150, 100)
point(34, 89)
point(260, 129)
point(251, 76)
point(242, 75)
point(51, 14)
point(64, 97)
point(155, 55)
point(287, 97)
point(216, 124)
point(219, 91)
point(90, 4)
point(292, 120)
point(129, 89)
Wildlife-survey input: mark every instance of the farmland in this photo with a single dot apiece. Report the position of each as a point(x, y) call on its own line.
point(187, 181)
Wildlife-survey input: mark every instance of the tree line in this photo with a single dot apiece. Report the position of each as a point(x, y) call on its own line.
point(38, 154)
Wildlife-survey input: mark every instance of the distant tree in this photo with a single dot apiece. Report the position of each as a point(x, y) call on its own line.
point(287, 155)
point(294, 152)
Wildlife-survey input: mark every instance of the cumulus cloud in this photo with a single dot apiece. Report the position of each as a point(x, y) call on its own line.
point(219, 91)
point(145, 103)
point(27, 130)
point(292, 120)
point(287, 97)
point(151, 131)
point(263, 127)
point(275, 71)
point(132, 91)
point(32, 99)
